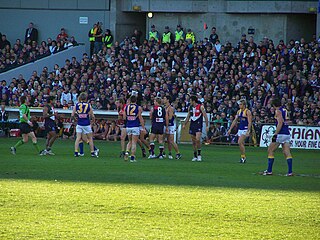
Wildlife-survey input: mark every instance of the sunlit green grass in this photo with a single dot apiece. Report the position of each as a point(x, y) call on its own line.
point(62, 197)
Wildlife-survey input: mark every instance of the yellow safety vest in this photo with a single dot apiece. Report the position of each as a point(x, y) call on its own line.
point(91, 39)
point(166, 37)
point(106, 39)
point(153, 35)
point(191, 36)
point(179, 35)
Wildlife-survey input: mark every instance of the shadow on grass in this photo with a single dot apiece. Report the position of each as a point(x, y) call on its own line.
point(220, 168)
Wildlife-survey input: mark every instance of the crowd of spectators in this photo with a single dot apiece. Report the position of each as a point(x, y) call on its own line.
point(20, 53)
point(219, 74)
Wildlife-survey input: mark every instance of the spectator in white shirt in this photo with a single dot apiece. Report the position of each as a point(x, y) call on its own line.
point(66, 95)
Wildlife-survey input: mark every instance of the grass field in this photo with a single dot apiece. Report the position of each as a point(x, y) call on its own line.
point(62, 197)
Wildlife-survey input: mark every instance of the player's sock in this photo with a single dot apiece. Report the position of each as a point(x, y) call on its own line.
point(143, 150)
point(48, 149)
point(19, 143)
point(161, 148)
point(243, 156)
point(195, 154)
point(76, 154)
point(94, 147)
point(35, 144)
point(170, 154)
point(199, 152)
point(289, 161)
point(81, 148)
point(132, 158)
point(270, 163)
point(152, 148)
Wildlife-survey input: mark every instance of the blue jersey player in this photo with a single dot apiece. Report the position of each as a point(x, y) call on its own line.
point(84, 112)
point(281, 136)
point(245, 117)
point(159, 120)
point(196, 113)
point(133, 117)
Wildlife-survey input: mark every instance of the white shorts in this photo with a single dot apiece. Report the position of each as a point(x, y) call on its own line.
point(283, 138)
point(83, 129)
point(141, 129)
point(133, 131)
point(171, 129)
point(242, 132)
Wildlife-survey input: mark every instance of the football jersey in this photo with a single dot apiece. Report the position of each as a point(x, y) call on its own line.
point(158, 115)
point(171, 121)
point(242, 115)
point(82, 110)
point(121, 120)
point(196, 113)
point(132, 111)
point(24, 109)
point(285, 128)
point(50, 112)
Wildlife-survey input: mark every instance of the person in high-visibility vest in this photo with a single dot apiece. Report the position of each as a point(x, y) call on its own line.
point(167, 36)
point(179, 34)
point(108, 38)
point(153, 34)
point(91, 34)
point(98, 38)
point(190, 35)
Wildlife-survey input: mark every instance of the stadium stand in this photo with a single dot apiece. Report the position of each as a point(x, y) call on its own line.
point(30, 51)
point(218, 74)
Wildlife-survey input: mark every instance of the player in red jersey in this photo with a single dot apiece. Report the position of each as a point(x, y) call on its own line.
point(196, 113)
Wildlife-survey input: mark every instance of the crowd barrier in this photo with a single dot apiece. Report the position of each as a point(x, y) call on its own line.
point(303, 137)
point(66, 113)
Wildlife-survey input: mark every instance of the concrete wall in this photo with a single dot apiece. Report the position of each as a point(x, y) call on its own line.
point(300, 25)
point(270, 6)
point(230, 27)
point(274, 19)
point(51, 15)
point(126, 22)
point(230, 6)
point(49, 62)
point(230, 17)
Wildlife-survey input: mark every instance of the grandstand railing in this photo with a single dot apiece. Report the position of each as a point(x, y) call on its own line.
point(303, 137)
